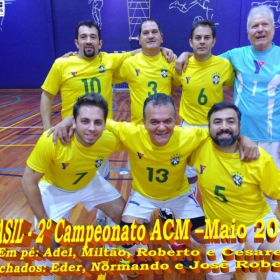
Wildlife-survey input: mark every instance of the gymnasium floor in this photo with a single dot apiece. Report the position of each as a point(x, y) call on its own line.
point(20, 127)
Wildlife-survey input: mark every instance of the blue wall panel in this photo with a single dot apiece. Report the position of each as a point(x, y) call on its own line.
point(34, 33)
point(27, 47)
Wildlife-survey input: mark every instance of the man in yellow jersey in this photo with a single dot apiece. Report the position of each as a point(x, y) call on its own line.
point(202, 83)
point(58, 177)
point(232, 191)
point(158, 152)
point(147, 72)
point(90, 71)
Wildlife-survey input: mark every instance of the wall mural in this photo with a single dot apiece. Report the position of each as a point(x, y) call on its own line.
point(96, 11)
point(275, 6)
point(7, 2)
point(207, 12)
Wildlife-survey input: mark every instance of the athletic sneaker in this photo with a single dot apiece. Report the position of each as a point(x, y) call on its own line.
point(136, 261)
point(184, 262)
point(165, 214)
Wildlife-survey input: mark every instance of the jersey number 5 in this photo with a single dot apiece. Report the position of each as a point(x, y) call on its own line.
point(220, 196)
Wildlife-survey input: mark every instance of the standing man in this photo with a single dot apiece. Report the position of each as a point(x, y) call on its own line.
point(232, 191)
point(90, 71)
point(202, 82)
point(257, 83)
point(148, 72)
point(58, 177)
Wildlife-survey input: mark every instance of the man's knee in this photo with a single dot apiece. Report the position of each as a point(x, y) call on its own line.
point(113, 209)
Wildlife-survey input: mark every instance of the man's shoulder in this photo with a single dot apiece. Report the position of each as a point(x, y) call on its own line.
point(220, 59)
point(276, 48)
point(65, 60)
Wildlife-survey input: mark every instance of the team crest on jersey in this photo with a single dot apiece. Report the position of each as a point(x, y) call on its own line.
point(102, 68)
point(164, 73)
point(74, 74)
point(64, 165)
point(202, 168)
point(216, 78)
point(175, 159)
point(237, 178)
point(140, 155)
point(258, 66)
point(188, 80)
point(137, 71)
point(99, 162)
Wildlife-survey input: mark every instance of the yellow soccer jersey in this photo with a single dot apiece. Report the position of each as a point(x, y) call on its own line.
point(74, 77)
point(145, 75)
point(158, 172)
point(71, 167)
point(202, 87)
point(232, 188)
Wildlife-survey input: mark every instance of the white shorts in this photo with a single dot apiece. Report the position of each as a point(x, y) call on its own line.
point(104, 170)
point(184, 206)
point(190, 170)
point(58, 203)
point(272, 149)
point(218, 248)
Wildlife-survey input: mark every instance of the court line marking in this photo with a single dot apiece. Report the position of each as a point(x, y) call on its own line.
point(32, 116)
point(19, 127)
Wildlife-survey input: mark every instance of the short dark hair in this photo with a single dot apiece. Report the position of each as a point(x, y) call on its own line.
point(140, 27)
point(92, 99)
point(204, 22)
point(221, 106)
point(88, 23)
point(158, 99)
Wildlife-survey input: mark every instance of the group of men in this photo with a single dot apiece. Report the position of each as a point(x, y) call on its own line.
point(159, 150)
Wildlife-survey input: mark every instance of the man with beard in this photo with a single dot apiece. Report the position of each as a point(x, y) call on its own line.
point(232, 191)
point(90, 71)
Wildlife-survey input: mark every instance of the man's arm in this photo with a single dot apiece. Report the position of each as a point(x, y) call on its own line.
point(182, 62)
point(248, 149)
point(32, 193)
point(46, 109)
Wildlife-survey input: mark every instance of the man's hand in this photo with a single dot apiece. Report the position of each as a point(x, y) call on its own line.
point(248, 149)
point(168, 54)
point(182, 62)
point(63, 130)
point(70, 54)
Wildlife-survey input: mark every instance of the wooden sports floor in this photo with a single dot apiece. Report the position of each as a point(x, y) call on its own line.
point(20, 127)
